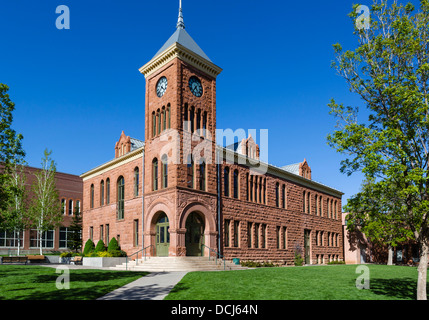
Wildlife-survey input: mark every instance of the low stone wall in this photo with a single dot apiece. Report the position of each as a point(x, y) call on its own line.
point(102, 262)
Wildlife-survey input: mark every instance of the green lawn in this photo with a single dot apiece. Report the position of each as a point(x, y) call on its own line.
point(336, 282)
point(18, 282)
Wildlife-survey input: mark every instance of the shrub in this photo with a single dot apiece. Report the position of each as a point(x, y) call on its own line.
point(298, 260)
point(118, 253)
point(104, 254)
point(89, 247)
point(66, 254)
point(100, 246)
point(113, 245)
point(254, 264)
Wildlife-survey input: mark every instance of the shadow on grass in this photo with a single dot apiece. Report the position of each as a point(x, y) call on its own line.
point(404, 288)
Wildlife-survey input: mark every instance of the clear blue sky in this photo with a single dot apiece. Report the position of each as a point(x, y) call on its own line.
point(76, 90)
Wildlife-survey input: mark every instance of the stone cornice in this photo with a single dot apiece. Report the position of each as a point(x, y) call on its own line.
point(176, 50)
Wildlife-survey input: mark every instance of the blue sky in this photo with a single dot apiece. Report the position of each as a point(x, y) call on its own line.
point(76, 90)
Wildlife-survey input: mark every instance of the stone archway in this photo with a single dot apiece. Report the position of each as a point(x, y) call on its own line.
point(194, 237)
point(207, 234)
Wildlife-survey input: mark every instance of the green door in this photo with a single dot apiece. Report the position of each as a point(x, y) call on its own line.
point(194, 235)
point(162, 236)
point(307, 246)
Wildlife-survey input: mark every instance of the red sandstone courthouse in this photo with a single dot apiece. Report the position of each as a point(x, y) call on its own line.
point(178, 193)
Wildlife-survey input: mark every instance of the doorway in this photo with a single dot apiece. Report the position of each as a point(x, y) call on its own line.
point(307, 246)
point(194, 235)
point(162, 236)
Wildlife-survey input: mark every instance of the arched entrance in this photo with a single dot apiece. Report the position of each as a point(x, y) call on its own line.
point(162, 235)
point(194, 234)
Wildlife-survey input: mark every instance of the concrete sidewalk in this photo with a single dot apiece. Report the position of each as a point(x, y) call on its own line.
point(154, 286)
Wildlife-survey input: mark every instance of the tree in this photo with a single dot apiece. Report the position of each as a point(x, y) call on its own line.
point(75, 237)
point(10, 144)
point(372, 211)
point(389, 70)
point(45, 207)
point(16, 216)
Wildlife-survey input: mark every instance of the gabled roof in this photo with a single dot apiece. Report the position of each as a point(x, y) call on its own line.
point(136, 143)
point(182, 37)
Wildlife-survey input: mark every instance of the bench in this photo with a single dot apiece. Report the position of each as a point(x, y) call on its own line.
point(76, 260)
point(17, 259)
point(36, 258)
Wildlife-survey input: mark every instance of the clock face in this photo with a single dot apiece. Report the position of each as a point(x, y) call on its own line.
point(161, 87)
point(195, 86)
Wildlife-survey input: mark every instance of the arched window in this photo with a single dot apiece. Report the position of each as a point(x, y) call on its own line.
point(168, 116)
point(102, 192)
point(198, 121)
point(136, 181)
point(321, 206)
point(203, 174)
point(78, 205)
point(153, 124)
point(284, 196)
point(190, 172)
point(121, 197)
point(205, 124)
point(185, 117)
point(164, 119)
point(155, 174)
point(226, 181)
point(304, 198)
point(107, 191)
point(251, 188)
point(158, 115)
point(191, 116)
point(164, 160)
point(247, 186)
point(308, 202)
point(70, 207)
point(316, 202)
point(235, 183)
point(277, 194)
point(63, 206)
point(91, 203)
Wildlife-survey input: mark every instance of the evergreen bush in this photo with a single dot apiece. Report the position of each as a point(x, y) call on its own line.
point(89, 247)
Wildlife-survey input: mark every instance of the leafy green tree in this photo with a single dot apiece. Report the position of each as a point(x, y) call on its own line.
point(75, 237)
point(17, 215)
point(389, 71)
point(10, 145)
point(45, 208)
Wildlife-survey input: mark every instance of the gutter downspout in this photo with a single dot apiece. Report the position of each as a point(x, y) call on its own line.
point(218, 201)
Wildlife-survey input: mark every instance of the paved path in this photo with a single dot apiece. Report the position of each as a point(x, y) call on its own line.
point(154, 286)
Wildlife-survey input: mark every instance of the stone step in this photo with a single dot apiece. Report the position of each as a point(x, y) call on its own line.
point(165, 264)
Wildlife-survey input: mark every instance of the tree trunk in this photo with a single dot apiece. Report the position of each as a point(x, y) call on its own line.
point(390, 256)
point(422, 269)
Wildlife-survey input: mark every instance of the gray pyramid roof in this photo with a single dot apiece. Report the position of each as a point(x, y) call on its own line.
point(183, 38)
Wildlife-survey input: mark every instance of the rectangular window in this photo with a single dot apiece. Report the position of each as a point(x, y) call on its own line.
point(47, 239)
point(278, 235)
point(10, 239)
point(249, 234)
point(65, 235)
point(91, 233)
point(284, 238)
point(102, 233)
point(236, 233)
point(136, 233)
point(227, 232)
point(256, 235)
point(263, 236)
point(107, 234)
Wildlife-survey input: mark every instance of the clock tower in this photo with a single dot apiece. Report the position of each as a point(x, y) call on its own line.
point(180, 189)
